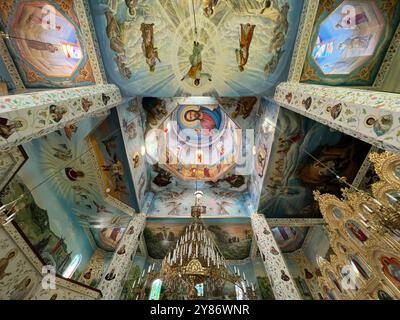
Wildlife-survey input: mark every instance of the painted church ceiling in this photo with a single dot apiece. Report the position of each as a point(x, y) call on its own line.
point(198, 139)
point(46, 43)
point(236, 48)
point(64, 209)
point(306, 156)
point(106, 144)
point(130, 122)
point(350, 40)
point(200, 153)
point(177, 202)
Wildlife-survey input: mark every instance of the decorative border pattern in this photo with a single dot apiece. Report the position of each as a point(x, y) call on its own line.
point(281, 281)
point(294, 222)
point(89, 36)
point(11, 68)
point(10, 163)
point(363, 169)
point(306, 27)
point(388, 60)
point(39, 113)
point(347, 110)
point(113, 280)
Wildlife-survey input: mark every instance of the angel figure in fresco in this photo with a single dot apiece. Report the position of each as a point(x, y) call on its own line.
point(174, 207)
point(9, 127)
point(101, 208)
point(196, 65)
point(4, 262)
point(129, 129)
point(221, 206)
point(267, 8)
point(246, 35)
point(208, 7)
point(271, 66)
point(110, 144)
point(115, 168)
point(277, 41)
point(114, 31)
point(354, 43)
point(149, 51)
point(282, 21)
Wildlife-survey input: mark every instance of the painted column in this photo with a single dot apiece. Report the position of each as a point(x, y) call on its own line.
point(111, 282)
point(368, 115)
point(27, 116)
point(281, 281)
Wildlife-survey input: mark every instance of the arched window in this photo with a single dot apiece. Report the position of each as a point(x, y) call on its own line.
point(200, 289)
point(70, 270)
point(239, 292)
point(155, 290)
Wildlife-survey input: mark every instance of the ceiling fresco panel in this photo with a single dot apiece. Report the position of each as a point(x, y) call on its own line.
point(293, 172)
point(349, 41)
point(108, 147)
point(151, 48)
point(46, 44)
point(63, 211)
point(177, 202)
point(264, 136)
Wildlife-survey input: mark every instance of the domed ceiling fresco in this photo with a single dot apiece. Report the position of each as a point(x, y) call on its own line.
point(199, 143)
point(169, 48)
point(202, 142)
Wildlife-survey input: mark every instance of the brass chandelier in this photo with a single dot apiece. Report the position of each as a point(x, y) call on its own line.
point(196, 265)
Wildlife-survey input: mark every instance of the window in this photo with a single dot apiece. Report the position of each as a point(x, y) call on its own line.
point(70, 270)
point(155, 290)
point(239, 292)
point(200, 289)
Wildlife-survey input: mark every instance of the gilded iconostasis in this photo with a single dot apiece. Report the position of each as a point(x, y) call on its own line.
point(197, 80)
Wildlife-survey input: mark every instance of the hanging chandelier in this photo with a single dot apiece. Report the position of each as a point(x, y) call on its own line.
point(196, 266)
